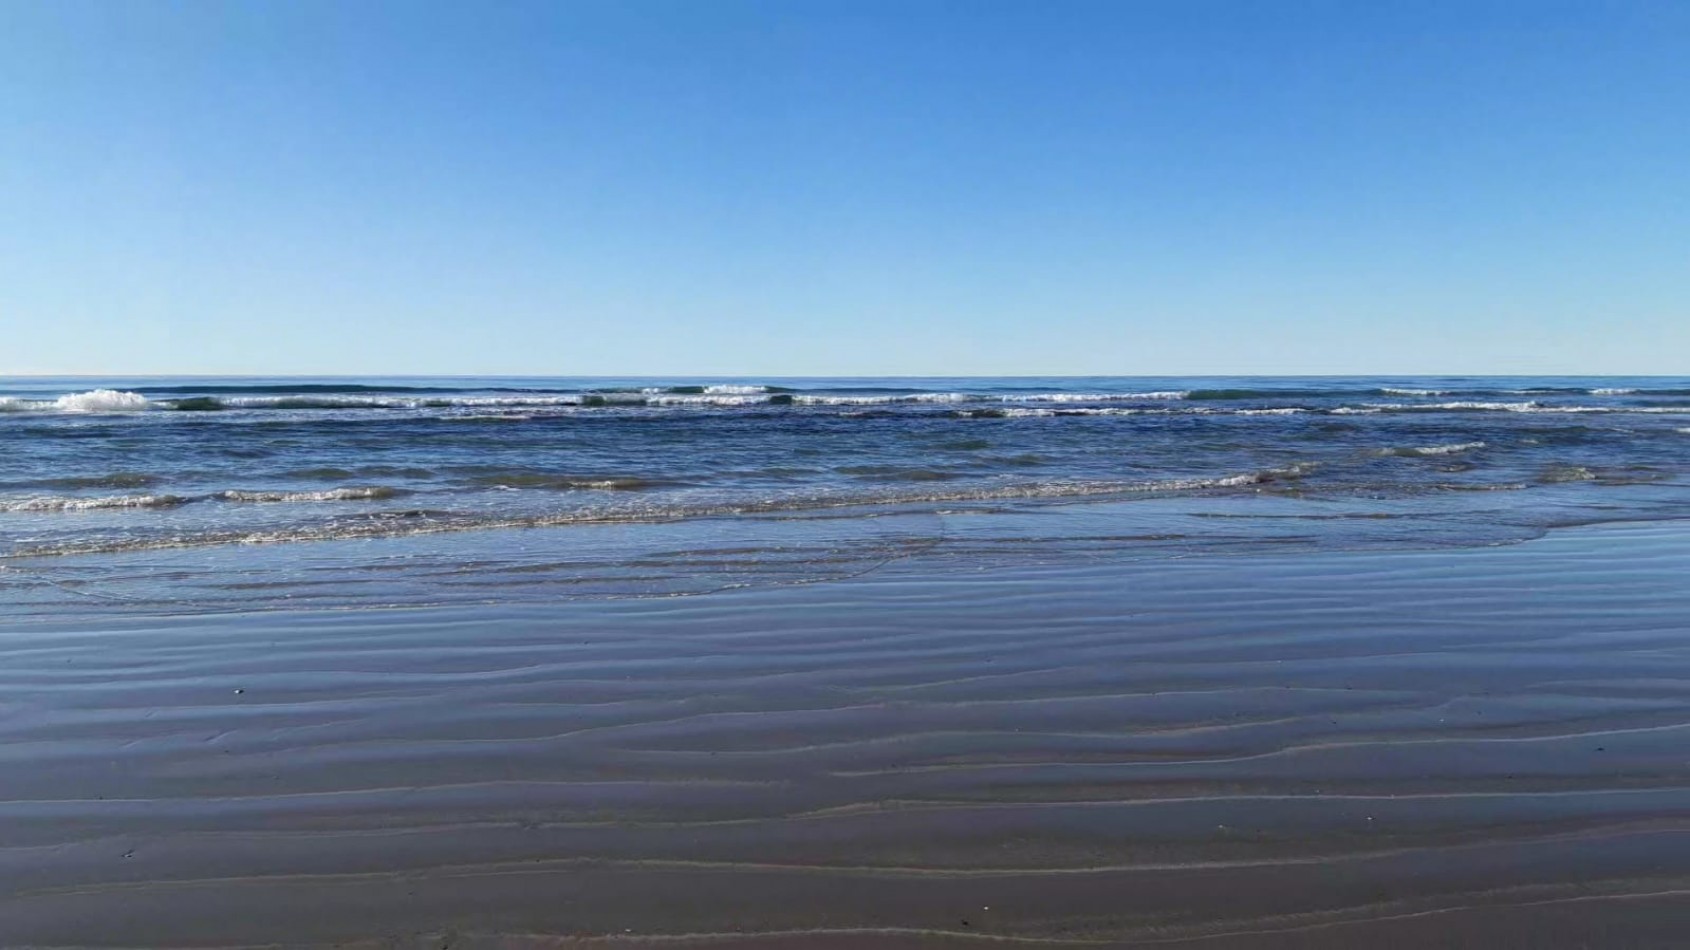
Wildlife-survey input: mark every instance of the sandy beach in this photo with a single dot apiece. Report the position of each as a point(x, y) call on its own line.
point(1464, 748)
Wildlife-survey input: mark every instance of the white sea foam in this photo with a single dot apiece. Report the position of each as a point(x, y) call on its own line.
point(815, 400)
point(1019, 412)
point(662, 397)
point(353, 401)
point(1450, 449)
point(1057, 397)
point(1487, 406)
point(1099, 397)
point(1459, 406)
point(1363, 410)
point(1453, 448)
point(102, 400)
point(367, 493)
point(721, 389)
point(96, 400)
point(729, 396)
point(87, 503)
point(731, 390)
point(1232, 481)
point(713, 400)
point(1014, 412)
point(1530, 407)
point(316, 402)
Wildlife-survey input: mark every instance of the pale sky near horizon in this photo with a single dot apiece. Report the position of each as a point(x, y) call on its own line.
point(826, 188)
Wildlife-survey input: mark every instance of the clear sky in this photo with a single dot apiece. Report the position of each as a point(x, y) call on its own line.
point(817, 187)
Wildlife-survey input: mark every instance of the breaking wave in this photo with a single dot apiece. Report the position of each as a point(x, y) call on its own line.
point(505, 403)
point(371, 493)
point(1423, 451)
point(518, 408)
point(64, 503)
point(102, 400)
point(96, 400)
point(1100, 397)
point(45, 503)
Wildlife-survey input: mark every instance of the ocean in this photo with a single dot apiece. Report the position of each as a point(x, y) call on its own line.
point(204, 494)
point(926, 664)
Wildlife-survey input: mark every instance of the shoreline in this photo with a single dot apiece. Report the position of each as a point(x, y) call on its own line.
point(539, 565)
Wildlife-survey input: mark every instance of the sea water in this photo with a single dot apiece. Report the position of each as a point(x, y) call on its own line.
point(248, 493)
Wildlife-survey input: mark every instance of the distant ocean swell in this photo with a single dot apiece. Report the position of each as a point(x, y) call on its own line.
point(101, 401)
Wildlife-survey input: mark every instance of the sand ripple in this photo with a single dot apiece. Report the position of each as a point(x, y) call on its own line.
point(1296, 750)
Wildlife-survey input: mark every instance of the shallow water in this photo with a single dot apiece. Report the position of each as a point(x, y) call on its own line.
point(201, 494)
point(1472, 747)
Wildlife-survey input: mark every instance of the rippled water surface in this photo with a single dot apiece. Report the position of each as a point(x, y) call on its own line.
point(144, 492)
point(1474, 748)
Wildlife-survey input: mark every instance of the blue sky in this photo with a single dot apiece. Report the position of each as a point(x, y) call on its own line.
point(814, 187)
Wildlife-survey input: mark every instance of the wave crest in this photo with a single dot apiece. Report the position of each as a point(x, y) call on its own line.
point(1423, 451)
point(351, 493)
point(94, 400)
point(90, 503)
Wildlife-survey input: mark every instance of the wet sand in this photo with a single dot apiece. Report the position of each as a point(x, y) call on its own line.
point(1457, 748)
